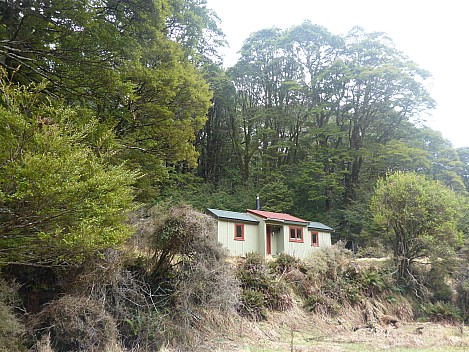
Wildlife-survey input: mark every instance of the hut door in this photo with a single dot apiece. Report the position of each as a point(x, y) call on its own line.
point(268, 239)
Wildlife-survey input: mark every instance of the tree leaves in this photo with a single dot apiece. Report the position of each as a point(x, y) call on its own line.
point(60, 200)
point(420, 216)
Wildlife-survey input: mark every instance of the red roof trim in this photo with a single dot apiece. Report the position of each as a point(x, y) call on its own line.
point(275, 216)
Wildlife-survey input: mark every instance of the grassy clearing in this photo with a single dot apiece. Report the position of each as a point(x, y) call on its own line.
point(300, 332)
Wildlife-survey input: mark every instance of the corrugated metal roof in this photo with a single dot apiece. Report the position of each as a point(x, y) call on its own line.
point(276, 216)
point(232, 215)
point(319, 226)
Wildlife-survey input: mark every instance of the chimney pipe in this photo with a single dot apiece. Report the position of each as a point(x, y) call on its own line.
point(258, 203)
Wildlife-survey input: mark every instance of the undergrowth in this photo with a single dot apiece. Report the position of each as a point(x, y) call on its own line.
point(261, 288)
point(11, 328)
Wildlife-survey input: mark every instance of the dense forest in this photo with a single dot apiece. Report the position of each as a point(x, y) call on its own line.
point(109, 108)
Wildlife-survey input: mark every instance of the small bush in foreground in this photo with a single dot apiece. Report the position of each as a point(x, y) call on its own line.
point(259, 283)
point(186, 268)
point(11, 328)
point(252, 302)
point(76, 324)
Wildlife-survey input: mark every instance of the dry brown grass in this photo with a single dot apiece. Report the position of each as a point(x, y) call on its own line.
point(296, 330)
point(74, 323)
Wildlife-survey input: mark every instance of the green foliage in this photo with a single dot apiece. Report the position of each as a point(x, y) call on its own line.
point(419, 216)
point(276, 195)
point(437, 283)
point(463, 298)
point(137, 65)
point(321, 304)
point(441, 312)
point(373, 249)
point(285, 263)
point(253, 305)
point(61, 198)
point(314, 106)
point(259, 285)
point(11, 328)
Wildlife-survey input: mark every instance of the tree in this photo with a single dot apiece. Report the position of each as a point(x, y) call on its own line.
point(419, 217)
point(60, 198)
point(136, 64)
point(464, 157)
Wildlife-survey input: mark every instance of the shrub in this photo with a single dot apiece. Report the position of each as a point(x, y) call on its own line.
point(373, 249)
point(331, 280)
point(329, 263)
point(255, 276)
point(116, 282)
point(300, 282)
point(76, 324)
point(437, 285)
point(321, 304)
point(11, 329)
point(313, 301)
point(186, 267)
point(252, 304)
point(441, 312)
point(373, 282)
point(463, 298)
point(203, 278)
point(284, 263)
point(61, 199)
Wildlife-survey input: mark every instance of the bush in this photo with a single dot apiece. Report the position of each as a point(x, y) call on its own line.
point(441, 312)
point(116, 282)
point(300, 282)
point(437, 285)
point(76, 324)
point(284, 263)
point(331, 280)
point(61, 199)
point(204, 280)
point(255, 276)
point(186, 268)
point(11, 329)
point(330, 263)
point(463, 298)
point(374, 249)
point(252, 302)
point(321, 304)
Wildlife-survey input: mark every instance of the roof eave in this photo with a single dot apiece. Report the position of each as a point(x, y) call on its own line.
point(239, 220)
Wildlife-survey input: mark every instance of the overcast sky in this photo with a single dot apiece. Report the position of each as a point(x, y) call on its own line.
point(433, 33)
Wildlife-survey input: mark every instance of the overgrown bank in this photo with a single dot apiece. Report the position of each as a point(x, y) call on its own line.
point(173, 285)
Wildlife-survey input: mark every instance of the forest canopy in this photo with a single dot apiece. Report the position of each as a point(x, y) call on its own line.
point(306, 118)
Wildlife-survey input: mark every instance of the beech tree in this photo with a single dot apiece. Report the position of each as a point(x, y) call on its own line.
point(419, 217)
point(137, 64)
point(60, 197)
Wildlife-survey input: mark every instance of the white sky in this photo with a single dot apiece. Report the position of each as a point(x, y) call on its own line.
point(433, 33)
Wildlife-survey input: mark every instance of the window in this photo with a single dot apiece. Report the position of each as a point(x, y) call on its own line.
point(314, 239)
point(296, 234)
point(239, 232)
